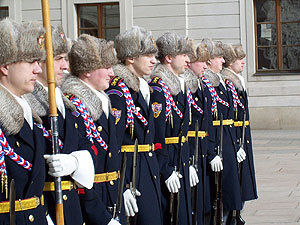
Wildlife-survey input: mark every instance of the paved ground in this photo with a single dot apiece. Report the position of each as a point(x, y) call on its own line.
point(277, 165)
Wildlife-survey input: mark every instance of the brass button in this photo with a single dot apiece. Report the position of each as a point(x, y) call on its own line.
point(181, 144)
point(76, 125)
point(119, 151)
point(99, 128)
point(203, 156)
point(183, 164)
point(177, 103)
point(148, 131)
point(31, 218)
point(111, 183)
point(221, 92)
point(150, 154)
point(230, 126)
point(155, 177)
point(109, 155)
point(196, 99)
point(138, 108)
point(18, 144)
point(248, 141)
point(65, 197)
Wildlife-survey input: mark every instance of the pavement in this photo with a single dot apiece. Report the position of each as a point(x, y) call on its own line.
point(277, 166)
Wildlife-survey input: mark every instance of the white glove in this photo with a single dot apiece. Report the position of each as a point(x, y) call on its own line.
point(194, 180)
point(113, 222)
point(130, 204)
point(216, 164)
point(61, 164)
point(173, 182)
point(241, 155)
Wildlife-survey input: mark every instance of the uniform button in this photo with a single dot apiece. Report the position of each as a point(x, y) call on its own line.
point(148, 131)
point(109, 155)
point(99, 128)
point(155, 177)
point(177, 103)
point(150, 154)
point(138, 108)
point(31, 218)
point(196, 99)
point(65, 197)
point(181, 144)
point(203, 156)
point(111, 183)
point(76, 125)
point(119, 151)
point(183, 164)
point(230, 126)
point(18, 144)
point(248, 141)
point(221, 92)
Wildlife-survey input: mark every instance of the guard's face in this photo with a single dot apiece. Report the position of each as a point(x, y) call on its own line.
point(60, 65)
point(238, 65)
point(21, 77)
point(198, 67)
point(143, 65)
point(99, 79)
point(179, 63)
point(216, 64)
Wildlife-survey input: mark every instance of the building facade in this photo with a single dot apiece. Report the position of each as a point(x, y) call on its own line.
point(269, 31)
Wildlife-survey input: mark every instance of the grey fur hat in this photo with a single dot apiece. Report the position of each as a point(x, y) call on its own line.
point(135, 42)
point(172, 44)
point(198, 52)
point(232, 53)
point(20, 42)
point(59, 40)
point(89, 53)
point(215, 48)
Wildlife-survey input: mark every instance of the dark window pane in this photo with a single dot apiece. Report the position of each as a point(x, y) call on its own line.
point(291, 34)
point(266, 34)
point(3, 13)
point(290, 10)
point(110, 34)
point(265, 10)
point(88, 16)
point(267, 58)
point(291, 58)
point(93, 32)
point(111, 15)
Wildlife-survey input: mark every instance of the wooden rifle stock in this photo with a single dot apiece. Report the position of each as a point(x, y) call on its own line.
point(52, 107)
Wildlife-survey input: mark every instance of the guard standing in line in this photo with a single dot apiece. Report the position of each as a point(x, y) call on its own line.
point(171, 113)
point(234, 64)
point(198, 97)
point(221, 100)
point(130, 98)
point(91, 61)
point(22, 142)
point(75, 164)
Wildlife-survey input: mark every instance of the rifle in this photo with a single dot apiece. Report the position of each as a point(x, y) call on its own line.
point(52, 107)
point(118, 206)
point(12, 199)
point(218, 203)
point(194, 190)
point(132, 220)
point(175, 197)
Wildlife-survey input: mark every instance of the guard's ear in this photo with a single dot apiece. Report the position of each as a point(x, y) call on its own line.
point(4, 69)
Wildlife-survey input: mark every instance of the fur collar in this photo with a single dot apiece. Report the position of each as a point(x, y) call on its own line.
point(168, 77)
point(191, 81)
point(131, 80)
point(232, 76)
point(212, 77)
point(12, 114)
point(73, 86)
point(38, 100)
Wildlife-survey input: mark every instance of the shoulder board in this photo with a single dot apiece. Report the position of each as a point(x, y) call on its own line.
point(155, 80)
point(75, 113)
point(156, 88)
point(115, 92)
point(115, 80)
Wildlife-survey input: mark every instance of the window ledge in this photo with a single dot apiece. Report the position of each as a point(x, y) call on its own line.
point(277, 73)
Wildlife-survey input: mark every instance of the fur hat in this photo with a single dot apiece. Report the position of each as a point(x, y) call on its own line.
point(20, 42)
point(59, 40)
point(135, 42)
point(89, 53)
point(172, 44)
point(198, 52)
point(232, 53)
point(215, 48)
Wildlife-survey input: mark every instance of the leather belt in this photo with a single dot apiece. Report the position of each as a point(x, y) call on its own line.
point(225, 122)
point(175, 140)
point(141, 148)
point(201, 134)
point(65, 186)
point(240, 123)
point(105, 177)
point(22, 205)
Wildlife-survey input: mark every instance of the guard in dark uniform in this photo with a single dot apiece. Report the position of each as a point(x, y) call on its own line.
point(75, 164)
point(91, 61)
point(171, 113)
point(22, 142)
point(234, 64)
point(130, 98)
point(198, 97)
point(221, 103)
